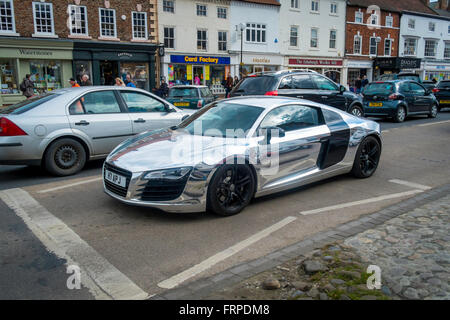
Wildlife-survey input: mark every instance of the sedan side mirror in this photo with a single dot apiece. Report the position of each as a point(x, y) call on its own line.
point(269, 132)
point(342, 89)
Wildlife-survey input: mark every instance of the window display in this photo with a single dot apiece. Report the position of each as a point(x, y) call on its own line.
point(46, 75)
point(139, 73)
point(177, 75)
point(82, 68)
point(8, 79)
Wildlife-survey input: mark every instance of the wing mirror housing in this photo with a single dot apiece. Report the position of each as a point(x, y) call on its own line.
point(342, 89)
point(269, 132)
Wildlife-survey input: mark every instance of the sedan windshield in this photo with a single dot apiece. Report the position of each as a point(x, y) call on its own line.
point(183, 93)
point(28, 104)
point(379, 88)
point(222, 119)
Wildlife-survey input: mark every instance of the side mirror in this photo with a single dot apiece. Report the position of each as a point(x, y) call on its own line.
point(269, 132)
point(169, 109)
point(427, 92)
point(342, 89)
point(184, 117)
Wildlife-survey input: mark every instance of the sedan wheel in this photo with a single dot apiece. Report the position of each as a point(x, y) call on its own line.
point(356, 111)
point(433, 111)
point(231, 189)
point(367, 158)
point(400, 115)
point(65, 157)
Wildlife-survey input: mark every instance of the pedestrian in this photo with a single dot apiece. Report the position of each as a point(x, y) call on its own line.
point(364, 81)
point(74, 83)
point(358, 84)
point(129, 82)
point(197, 80)
point(85, 81)
point(229, 86)
point(27, 87)
point(236, 80)
point(163, 89)
point(434, 80)
point(119, 83)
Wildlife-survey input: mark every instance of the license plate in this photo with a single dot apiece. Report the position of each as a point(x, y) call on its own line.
point(181, 104)
point(115, 178)
point(375, 104)
point(444, 101)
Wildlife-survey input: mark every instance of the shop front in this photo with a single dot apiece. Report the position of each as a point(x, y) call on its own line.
point(104, 62)
point(354, 69)
point(256, 63)
point(396, 65)
point(439, 70)
point(197, 70)
point(332, 68)
point(49, 63)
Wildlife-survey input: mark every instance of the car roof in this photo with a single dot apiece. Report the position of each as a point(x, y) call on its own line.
point(266, 102)
point(188, 86)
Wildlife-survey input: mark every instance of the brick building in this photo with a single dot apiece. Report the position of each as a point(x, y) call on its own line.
point(54, 40)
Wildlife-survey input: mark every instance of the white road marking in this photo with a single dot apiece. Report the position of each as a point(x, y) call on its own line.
point(410, 184)
point(432, 123)
point(102, 279)
point(360, 202)
point(384, 131)
point(70, 185)
point(208, 263)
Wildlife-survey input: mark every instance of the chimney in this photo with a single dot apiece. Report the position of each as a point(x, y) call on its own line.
point(443, 5)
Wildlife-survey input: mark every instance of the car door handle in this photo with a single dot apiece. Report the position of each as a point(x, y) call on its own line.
point(324, 97)
point(301, 97)
point(82, 123)
point(140, 120)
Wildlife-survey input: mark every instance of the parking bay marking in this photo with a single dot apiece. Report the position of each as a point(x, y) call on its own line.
point(410, 184)
point(211, 261)
point(70, 185)
point(433, 123)
point(102, 279)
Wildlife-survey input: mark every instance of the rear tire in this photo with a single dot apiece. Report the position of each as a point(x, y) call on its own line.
point(65, 157)
point(400, 115)
point(357, 111)
point(367, 158)
point(433, 111)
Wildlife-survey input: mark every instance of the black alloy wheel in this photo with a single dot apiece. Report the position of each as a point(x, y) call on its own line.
point(231, 189)
point(367, 158)
point(357, 111)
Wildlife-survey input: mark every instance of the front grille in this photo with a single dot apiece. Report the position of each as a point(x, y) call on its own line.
point(121, 191)
point(162, 190)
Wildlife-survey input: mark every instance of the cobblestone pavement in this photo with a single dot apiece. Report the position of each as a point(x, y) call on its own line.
point(412, 250)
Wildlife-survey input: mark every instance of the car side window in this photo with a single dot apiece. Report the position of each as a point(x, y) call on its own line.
point(95, 103)
point(286, 83)
point(416, 89)
point(205, 92)
point(331, 116)
point(292, 117)
point(302, 81)
point(404, 88)
point(139, 102)
point(323, 83)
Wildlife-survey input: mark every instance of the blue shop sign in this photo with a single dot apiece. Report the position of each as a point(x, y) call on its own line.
point(199, 59)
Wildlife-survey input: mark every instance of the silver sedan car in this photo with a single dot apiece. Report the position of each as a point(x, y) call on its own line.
point(235, 149)
point(63, 129)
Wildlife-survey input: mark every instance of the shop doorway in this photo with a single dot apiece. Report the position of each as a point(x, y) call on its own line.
point(109, 71)
point(198, 72)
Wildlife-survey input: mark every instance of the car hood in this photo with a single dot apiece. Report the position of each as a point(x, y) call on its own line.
point(173, 148)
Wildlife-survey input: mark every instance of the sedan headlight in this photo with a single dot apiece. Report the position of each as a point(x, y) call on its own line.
point(168, 174)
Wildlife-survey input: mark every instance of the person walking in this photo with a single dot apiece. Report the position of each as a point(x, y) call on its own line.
point(197, 80)
point(163, 89)
point(74, 83)
point(119, 83)
point(85, 81)
point(364, 81)
point(229, 86)
point(27, 87)
point(236, 80)
point(129, 82)
point(358, 85)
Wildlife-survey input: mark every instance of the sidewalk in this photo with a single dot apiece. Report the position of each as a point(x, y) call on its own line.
point(410, 242)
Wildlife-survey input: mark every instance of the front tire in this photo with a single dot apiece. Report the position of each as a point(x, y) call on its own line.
point(433, 111)
point(367, 158)
point(231, 189)
point(356, 111)
point(400, 115)
point(65, 157)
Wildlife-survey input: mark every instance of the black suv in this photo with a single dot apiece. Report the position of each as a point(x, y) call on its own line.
point(303, 84)
point(400, 76)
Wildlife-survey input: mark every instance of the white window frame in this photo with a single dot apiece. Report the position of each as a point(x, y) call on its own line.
point(360, 44)
point(446, 50)
point(431, 23)
point(52, 33)
point(370, 46)
point(425, 48)
point(145, 25)
point(206, 40)
point(253, 26)
point(174, 38)
point(13, 20)
point(391, 21)
point(377, 19)
point(197, 5)
point(225, 10)
point(413, 24)
point(335, 5)
point(315, 8)
point(390, 46)
point(100, 22)
point(86, 21)
point(335, 40)
point(291, 37)
point(405, 47)
point(311, 38)
point(219, 41)
point(359, 14)
point(164, 7)
point(294, 4)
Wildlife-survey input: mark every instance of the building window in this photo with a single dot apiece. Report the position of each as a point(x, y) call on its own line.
point(169, 6)
point(221, 12)
point(374, 19)
point(431, 26)
point(410, 45)
point(8, 76)
point(389, 21)
point(332, 39)
point(447, 50)
point(294, 4)
point(314, 6)
point(201, 10)
point(78, 20)
point(358, 17)
point(448, 29)
point(430, 48)
point(293, 37)
point(255, 32)
point(222, 36)
point(411, 23)
point(333, 8)
point(314, 38)
point(202, 40)
point(7, 16)
point(373, 46)
point(169, 37)
point(140, 25)
point(387, 47)
point(107, 22)
point(357, 42)
point(43, 18)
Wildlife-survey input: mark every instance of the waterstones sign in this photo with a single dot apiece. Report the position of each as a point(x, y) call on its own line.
point(35, 52)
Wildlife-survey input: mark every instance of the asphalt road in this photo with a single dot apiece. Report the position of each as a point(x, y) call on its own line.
point(147, 248)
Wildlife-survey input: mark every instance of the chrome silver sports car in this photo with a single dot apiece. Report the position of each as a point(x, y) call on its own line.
point(236, 149)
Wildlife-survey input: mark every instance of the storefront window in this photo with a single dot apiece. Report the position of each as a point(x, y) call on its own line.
point(179, 76)
point(139, 73)
point(217, 74)
point(8, 79)
point(438, 75)
point(82, 68)
point(46, 75)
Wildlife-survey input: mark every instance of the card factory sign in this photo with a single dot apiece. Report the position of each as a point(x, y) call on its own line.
point(199, 59)
point(315, 62)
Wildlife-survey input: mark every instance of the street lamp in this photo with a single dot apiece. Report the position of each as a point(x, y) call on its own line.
point(241, 28)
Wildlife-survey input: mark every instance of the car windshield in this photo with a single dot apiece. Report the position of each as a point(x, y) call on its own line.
point(28, 104)
point(380, 88)
point(183, 93)
point(256, 85)
point(409, 77)
point(444, 84)
point(222, 119)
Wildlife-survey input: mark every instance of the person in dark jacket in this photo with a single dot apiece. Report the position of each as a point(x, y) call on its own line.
point(358, 84)
point(85, 81)
point(228, 86)
point(163, 91)
point(364, 81)
point(27, 87)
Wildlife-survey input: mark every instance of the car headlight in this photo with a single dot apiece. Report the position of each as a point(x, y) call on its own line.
point(168, 174)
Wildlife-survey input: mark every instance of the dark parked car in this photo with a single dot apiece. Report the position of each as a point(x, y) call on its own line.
point(400, 76)
point(398, 99)
point(429, 85)
point(190, 97)
point(303, 84)
point(442, 94)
